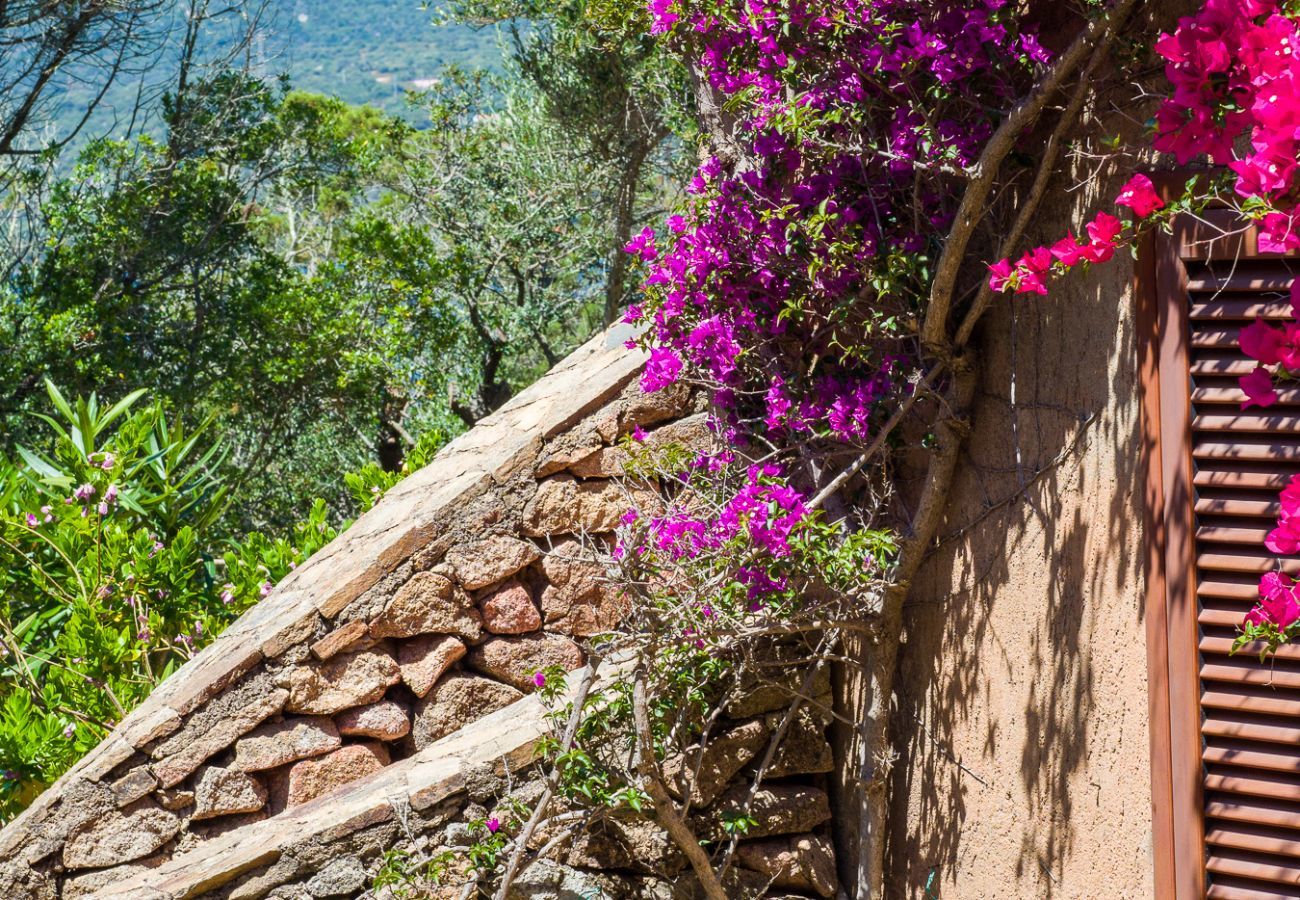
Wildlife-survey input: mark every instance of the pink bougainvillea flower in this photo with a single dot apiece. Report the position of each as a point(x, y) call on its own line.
point(493, 825)
point(1068, 250)
point(539, 679)
point(1262, 342)
point(1258, 388)
point(1280, 233)
point(1139, 195)
point(1104, 228)
point(1277, 602)
point(1000, 275)
point(1285, 538)
point(643, 245)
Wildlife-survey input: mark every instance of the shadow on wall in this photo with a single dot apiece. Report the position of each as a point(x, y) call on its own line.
point(1023, 677)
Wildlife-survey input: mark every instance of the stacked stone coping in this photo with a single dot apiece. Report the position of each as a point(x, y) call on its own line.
point(413, 636)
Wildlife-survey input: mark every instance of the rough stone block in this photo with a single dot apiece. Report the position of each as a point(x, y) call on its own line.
point(516, 659)
point(312, 778)
point(776, 809)
point(290, 740)
point(341, 639)
point(215, 728)
point(350, 679)
point(580, 599)
point(803, 862)
point(385, 720)
point(423, 660)
point(133, 785)
point(120, 836)
point(224, 792)
point(486, 562)
point(706, 771)
point(563, 505)
point(509, 610)
point(454, 702)
point(428, 604)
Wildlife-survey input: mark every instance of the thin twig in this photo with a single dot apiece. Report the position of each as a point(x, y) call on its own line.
point(879, 440)
point(1029, 206)
point(552, 780)
point(666, 813)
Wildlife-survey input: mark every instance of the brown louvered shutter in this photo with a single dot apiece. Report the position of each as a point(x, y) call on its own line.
point(1225, 729)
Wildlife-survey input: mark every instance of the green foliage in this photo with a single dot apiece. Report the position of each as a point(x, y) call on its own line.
point(113, 572)
point(369, 483)
point(405, 877)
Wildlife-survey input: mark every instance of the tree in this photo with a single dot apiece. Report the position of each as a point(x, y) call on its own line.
point(608, 84)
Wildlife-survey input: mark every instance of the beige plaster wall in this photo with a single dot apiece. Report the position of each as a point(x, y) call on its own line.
point(1021, 704)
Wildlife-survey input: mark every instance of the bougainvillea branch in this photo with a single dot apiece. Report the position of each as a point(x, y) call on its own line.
point(985, 173)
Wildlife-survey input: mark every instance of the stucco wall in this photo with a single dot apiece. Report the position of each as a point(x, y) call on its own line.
point(1021, 704)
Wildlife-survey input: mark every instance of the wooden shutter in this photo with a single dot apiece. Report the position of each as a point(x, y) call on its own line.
point(1225, 729)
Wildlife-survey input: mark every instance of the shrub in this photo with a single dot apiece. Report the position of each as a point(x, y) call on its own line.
point(114, 570)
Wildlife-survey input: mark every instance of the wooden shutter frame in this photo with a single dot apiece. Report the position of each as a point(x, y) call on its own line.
point(1177, 801)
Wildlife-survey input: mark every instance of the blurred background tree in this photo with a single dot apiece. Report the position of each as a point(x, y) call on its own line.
point(329, 282)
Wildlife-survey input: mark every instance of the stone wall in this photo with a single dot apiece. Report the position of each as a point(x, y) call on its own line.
point(379, 697)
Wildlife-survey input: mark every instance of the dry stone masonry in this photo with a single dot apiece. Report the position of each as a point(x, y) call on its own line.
point(380, 697)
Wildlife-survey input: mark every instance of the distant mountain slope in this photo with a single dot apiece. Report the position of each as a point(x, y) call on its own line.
point(363, 51)
point(370, 51)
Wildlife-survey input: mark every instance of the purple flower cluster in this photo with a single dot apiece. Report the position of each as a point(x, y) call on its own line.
point(788, 282)
point(784, 283)
point(765, 510)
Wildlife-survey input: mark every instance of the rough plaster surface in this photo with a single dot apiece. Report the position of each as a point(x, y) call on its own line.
point(1021, 708)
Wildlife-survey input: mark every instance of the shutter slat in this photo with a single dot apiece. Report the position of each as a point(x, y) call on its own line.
point(1220, 534)
point(1220, 618)
point(1213, 365)
point(1227, 590)
point(1219, 506)
point(1228, 890)
point(1250, 756)
point(1259, 424)
point(1260, 276)
point(1257, 812)
point(1253, 866)
point(1254, 786)
point(1250, 731)
point(1245, 672)
point(1233, 396)
point(1245, 309)
point(1260, 839)
point(1264, 705)
point(1245, 451)
point(1223, 647)
point(1244, 561)
point(1240, 478)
